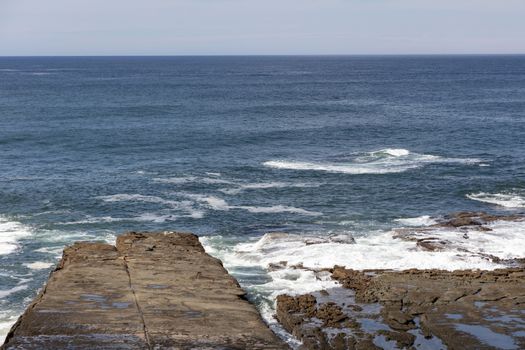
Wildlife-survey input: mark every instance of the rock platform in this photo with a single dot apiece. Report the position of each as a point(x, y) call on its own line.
point(149, 291)
point(412, 309)
point(417, 309)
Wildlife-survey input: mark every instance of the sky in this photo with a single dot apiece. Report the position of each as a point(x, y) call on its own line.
point(267, 27)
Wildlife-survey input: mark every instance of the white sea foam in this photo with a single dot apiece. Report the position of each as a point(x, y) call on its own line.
point(334, 168)
point(108, 219)
point(278, 209)
point(144, 217)
point(505, 240)
point(10, 233)
point(265, 185)
point(190, 179)
point(216, 203)
point(384, 161)
point(235, 186)
point(54, 240)
point(305, 254)
point(195, 214)
point(7, 319)
point(6, 292)
point(92, 220)
point(9, 316)
point(53, 250)
point(47, 212)
point(378, 251)
point(507, 200)
point(39, 265)
point(158, 218)
point(395, 152)
point(424, 220)
point(286, 280)
point(180, 205)
point(124, 197)
point(211, 202)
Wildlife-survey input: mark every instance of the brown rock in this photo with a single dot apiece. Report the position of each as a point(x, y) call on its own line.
point(460, 219)
point(453, 309)
point(331, 315)
point(151, 291)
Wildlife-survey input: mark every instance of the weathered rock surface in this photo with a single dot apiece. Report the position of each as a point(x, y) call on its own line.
point(468, 218)
point(150, 291)
point(421, 309)
point(428, 309)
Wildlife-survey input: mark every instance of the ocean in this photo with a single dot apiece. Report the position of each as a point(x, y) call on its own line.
point(309, 160)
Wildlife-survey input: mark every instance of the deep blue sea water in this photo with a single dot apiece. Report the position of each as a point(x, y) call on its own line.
point(232, 148)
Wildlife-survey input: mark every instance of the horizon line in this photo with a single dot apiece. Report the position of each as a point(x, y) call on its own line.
point(269, 55)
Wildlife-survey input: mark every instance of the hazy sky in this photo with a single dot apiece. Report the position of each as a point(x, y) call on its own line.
point(182, 27)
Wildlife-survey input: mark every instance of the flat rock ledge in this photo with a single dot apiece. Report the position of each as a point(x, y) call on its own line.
point(150, 291)
point(412, 309)
point(416, 309)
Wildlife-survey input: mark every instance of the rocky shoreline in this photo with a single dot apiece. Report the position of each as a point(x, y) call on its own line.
point(429, 309)
point(162, 291)
point(463, 225)
point(415, 309)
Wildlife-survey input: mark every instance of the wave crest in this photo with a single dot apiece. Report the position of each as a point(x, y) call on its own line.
point(419, 221)
point(385, 161)
point(394, 152)
point(507, 200)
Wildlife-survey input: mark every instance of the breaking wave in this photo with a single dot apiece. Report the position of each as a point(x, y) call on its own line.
point(424, 220)
point(394, 152)
point(384, 161)
point(507, 200)
point(8, 316)
point(296, 264)
point(216, 203)
point(382, 251)
point(39, 265)
point(10, 233)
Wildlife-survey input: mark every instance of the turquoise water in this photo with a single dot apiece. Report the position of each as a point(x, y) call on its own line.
point(232, 148)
